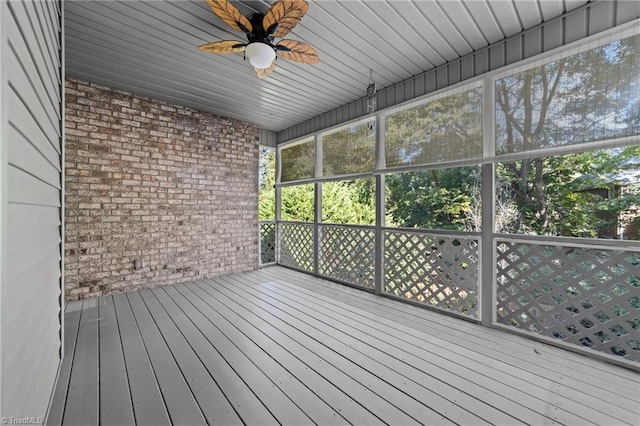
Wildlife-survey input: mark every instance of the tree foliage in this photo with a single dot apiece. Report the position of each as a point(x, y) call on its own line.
point(266, 184)
point(350, 150)
point(587, 97)
point(432, 199)
point(445, 129)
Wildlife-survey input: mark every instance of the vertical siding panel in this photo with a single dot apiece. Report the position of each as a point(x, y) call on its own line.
point(398, 95)
point(409, 88)
point(514, 50)
point(467, 67)
point(442, 76)
point(627, 10)
point(575, 26)
point(552, 35)
point(430, 81)
point(322, 121)
point(454, 72)
point(419, 88)
point(341, 116)
point(359, 108)
point(267, 138)
point(496, 56)
point(30, 206)
point(532, 42)
point(601, 16)
point(482, 61)
point(390, 97)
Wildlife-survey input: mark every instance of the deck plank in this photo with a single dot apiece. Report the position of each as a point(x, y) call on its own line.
point(83, 385)
point(282, 408)
point(393, 407)
point(179, 400)
point(504, 346)
point(315, 408)
point(394, 369)
point(148, 403)
point(240, 395)
point(73, 310)
point(212, 402)
point(594, 403)
point(115, 400)
point(276, 346)
point(471, 366)
point(326, 391)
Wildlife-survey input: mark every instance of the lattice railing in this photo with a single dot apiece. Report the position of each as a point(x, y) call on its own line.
point(584, 296)
point(436, 270)
point(296, 245)
point(347, 254)
point(267, 242)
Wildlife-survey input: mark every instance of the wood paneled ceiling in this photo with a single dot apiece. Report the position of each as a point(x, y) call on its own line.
point(151, 48)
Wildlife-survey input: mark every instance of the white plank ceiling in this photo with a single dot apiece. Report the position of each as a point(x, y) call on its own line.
point(150, 48)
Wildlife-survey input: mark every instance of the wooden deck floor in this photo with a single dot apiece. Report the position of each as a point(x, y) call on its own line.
point(279, 347)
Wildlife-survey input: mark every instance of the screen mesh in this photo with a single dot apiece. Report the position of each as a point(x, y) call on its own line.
point(349, 150)
point(444, 129)
point(590, 96)
point(298, 161)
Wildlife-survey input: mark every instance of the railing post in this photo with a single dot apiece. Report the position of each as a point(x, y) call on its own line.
point(379, 235)
point(278, 206)
point(487, 265)
point(316, 227)
point(486, 250)
point(380, 205)
point(317, 217)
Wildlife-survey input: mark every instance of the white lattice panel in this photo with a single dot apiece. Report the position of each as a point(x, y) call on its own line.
point(267, 242)
point(588, 297)
point(296, 246)
point(434, 270)
point(347, 254)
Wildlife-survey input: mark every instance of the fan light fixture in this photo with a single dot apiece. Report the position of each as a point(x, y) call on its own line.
point(261, 32)
point(259, 54)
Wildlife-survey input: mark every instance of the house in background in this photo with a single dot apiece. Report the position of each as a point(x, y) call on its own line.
point(130, 288)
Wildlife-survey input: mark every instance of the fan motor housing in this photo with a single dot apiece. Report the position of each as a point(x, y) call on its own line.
point(259, 33)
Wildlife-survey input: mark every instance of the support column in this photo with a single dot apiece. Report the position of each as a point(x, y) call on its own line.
point(278, 206)
point(380, 205)
point(487, 264)
point(317, 216)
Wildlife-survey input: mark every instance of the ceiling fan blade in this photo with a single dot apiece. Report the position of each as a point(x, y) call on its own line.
point(263, 73)
point(232, 16)
point(298, 51)
point(224, 46)
point(283, 16)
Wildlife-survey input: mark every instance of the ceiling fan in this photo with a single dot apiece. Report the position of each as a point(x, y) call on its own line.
point(261, 30)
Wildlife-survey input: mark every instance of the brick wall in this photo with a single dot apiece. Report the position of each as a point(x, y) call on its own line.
point(163, 184)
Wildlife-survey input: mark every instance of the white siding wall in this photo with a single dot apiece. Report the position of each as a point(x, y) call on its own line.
point(30, 209)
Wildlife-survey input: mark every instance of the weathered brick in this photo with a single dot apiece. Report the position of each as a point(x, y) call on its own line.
point(159, 182)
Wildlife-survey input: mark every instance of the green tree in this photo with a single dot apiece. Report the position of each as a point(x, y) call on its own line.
point(349, 202)
point(266, 184)
point(349, 150)
point(444, 129)
point(432, 199)
point(298, 161)
point(577, 99)
point(297, 203)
